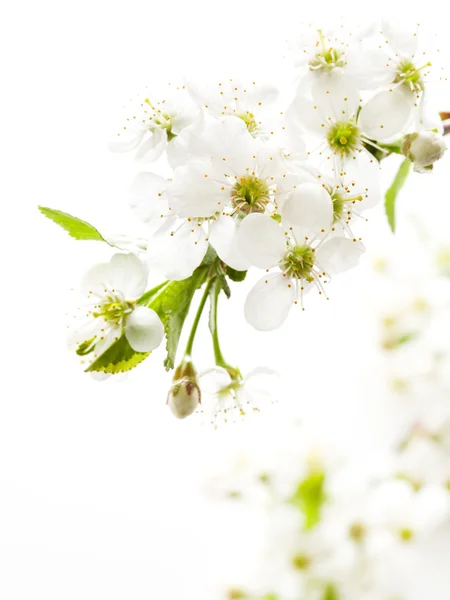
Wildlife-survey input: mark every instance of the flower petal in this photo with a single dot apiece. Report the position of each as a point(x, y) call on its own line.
point(385, 114)
point(224, 239)
point(128, 274)
point(152, 148)
point(309, 207)
point(148, 198)
point(269, 302)
point(339, 254)
point(177, 248)
point(194, 192)
point(144, 329)
point(261, 240)
point(403, 40)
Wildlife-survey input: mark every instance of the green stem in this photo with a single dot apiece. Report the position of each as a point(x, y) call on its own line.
point(220, 360)
point(198, 315)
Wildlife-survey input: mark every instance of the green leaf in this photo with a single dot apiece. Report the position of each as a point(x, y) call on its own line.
point(172, 305)
point(235, 275)
point(310, 496)
point(118, 358)
point(75, 227)
point(391, 194)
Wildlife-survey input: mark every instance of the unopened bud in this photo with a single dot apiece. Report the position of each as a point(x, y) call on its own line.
point(184, 395)
point(423, 149)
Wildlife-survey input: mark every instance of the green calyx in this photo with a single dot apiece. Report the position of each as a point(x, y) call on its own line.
point(343, 137)
point(250, 194)
point(410, 75)
point(299, 263)
point(250, 122)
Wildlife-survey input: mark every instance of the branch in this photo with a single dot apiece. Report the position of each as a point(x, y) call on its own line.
point(447, 127)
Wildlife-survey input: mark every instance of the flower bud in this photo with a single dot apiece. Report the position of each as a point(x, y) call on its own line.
point(184, 395)
point(423, 149)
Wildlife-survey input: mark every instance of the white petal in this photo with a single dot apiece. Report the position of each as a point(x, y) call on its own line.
point(129, 138)
point(224, 239)
point(95, 281)
point(230, 145)
point(177, 248)
point(304, 113)
point(128, 274)
point(213, 380)
point(335, 96)
point(385, 115)
point(364, 172)
point(269, 302)
point(258, 95)
point(194, 192)
point(143, 329)
point(148, 198)
point(152, 148)
point(338, 254)
point(403, 40)
point(261, 240)
point(309, 207)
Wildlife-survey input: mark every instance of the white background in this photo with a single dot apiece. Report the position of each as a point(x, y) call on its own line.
point(98, 484)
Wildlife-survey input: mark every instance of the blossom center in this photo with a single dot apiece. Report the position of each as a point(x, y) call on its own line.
point(161, 120)
point(299, 263)
point(410, 76)
point(327, 58)
point(250, 194)
point(340, 210)
point(343, 138)
point(250, 121)
point(301, 562)
point(113, 308)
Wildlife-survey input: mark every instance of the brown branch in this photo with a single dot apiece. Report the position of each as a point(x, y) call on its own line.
point(447, 127)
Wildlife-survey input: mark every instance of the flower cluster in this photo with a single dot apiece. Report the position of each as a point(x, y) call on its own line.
point(235, 176)
point(329, 525)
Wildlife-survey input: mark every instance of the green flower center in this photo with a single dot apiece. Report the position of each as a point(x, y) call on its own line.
point(340, 210)
point(250, 122)
point(327, 58)
point(250, 194)
point(343, 137)
point(299, 263)
point(113, 309)
point(301, 562)
point(406, 534)
point(410, 75)
point(161, 120)
point(357, 532)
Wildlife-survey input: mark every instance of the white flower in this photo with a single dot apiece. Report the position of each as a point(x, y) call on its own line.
point(341, 126)
point(110, 291)
point(423, 149)
point(169, 235)
point(251, 102)
point(399, 58)
point(407, 513)
point(303, 256)
point(227, 399)
point(152, 124)
point(325, 53)
point(231, 177)
point(254, 104)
